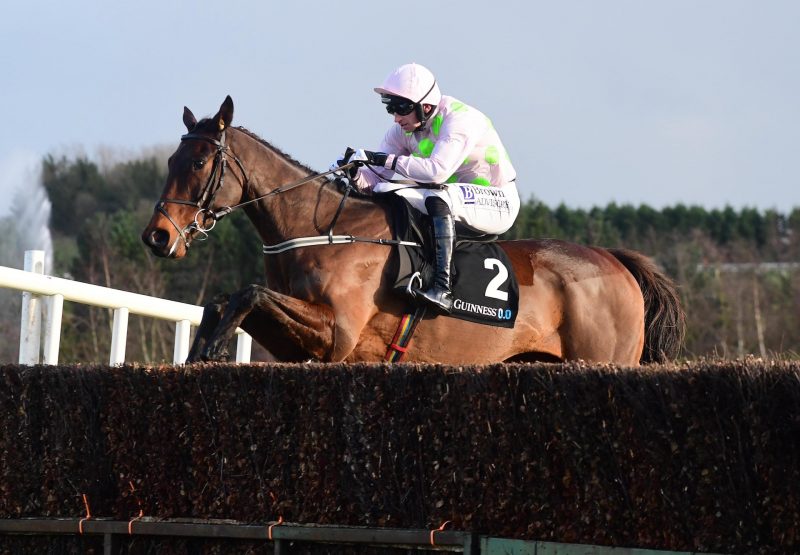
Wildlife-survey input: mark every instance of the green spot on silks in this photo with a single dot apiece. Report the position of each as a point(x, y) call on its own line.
point(452, 179)
point(425, 148)
point(481, 181)
point(492, 155)
point(436, 124)
point(458, 107)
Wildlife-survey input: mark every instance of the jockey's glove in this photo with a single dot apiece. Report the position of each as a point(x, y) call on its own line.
point(361, 157)
point(369, 157)
point(352, 171)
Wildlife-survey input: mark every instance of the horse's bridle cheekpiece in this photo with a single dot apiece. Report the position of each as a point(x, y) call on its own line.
point(214, 185)
point(210, 190)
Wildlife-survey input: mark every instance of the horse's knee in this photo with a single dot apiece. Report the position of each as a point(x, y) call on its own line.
point(245, 300)
point(220, 298)
point(213, 311)
point(218, 303)
point(248, 297)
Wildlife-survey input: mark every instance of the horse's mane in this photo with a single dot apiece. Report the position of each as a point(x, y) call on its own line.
point(276, 150)
point(209, 125)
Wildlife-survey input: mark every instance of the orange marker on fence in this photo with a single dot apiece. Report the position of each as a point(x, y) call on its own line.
point(141, 510)
point(88, 514)
point(439, 529)
point(271, 526)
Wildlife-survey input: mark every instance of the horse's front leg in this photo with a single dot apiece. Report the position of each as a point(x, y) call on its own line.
point(212, 314)
point(291, 329)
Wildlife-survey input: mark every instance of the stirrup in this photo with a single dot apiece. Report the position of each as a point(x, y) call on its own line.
point(411, 290)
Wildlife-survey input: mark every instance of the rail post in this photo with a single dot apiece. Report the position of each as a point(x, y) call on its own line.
point(30, 330)
point(40, 325)
point(53, 310)
point(119, 336)
point(182, 333)
point(244, 344)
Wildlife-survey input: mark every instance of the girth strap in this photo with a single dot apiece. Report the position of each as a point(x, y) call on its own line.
point(317, 240)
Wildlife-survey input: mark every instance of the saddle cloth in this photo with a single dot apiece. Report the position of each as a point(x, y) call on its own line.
point(485, 289)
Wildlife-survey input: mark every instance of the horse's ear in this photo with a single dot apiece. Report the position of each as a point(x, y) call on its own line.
point(225, 115)
point(188, 119)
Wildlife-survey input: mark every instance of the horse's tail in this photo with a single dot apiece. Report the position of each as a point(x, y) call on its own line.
point(664, 318)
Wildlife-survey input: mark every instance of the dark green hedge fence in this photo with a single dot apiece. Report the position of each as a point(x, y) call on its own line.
point(703, 457)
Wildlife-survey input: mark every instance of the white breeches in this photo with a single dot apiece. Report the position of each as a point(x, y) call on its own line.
point(484, 209)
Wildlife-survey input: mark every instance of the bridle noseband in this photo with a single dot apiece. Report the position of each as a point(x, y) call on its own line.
point(203, 204)
point(215, 183)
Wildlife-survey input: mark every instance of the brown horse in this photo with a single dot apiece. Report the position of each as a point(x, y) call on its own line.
point(332, 302)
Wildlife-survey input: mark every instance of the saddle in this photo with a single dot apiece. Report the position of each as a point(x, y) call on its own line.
point(485, 289)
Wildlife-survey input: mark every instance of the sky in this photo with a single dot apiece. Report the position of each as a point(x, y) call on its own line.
point(625, 101)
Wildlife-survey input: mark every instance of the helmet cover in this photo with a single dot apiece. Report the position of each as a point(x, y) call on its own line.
point(414, 82)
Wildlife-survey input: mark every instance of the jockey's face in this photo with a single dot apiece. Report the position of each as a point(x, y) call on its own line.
point(407, 123)
point(410, 122)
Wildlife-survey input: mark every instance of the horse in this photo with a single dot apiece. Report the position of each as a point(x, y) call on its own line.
point(332, 302)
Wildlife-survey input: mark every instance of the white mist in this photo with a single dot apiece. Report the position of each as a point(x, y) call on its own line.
point(24, 210)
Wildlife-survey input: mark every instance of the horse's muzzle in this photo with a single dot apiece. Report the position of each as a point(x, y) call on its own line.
point(158, 240)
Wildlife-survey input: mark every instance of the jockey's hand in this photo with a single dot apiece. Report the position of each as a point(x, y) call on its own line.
point(344, 160)
point(369, 157)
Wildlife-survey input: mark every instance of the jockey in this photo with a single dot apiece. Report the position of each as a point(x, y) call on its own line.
point(459, 169)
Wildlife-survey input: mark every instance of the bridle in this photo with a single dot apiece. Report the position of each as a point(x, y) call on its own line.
point(215, 183)
point(203, 204)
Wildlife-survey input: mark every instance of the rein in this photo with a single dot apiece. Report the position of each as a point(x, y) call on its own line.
point(228, 209)
point(331, 239)
point(214, 185)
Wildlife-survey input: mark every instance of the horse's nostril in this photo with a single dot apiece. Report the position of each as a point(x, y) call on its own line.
point(159, 238)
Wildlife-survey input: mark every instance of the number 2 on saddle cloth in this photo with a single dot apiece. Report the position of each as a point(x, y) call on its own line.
point(485, 289)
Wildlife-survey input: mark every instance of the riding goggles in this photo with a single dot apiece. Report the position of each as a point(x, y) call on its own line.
point(397, 105)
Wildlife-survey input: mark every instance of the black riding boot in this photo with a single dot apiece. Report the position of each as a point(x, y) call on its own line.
point(440, 295)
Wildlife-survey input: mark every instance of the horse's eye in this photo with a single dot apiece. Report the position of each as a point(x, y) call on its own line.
point(197, 165)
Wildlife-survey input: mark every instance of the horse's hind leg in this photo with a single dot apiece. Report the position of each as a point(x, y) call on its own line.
point(212, 314)
point(291, 329)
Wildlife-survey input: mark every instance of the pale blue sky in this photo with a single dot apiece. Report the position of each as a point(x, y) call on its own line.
point(634, 101)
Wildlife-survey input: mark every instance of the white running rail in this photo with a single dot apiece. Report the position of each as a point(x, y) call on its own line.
point(43, 299)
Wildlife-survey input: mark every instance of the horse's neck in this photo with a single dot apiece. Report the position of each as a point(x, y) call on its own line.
point(306, 210)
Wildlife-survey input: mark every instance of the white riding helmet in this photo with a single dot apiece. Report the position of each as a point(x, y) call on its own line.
point(414, 82)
